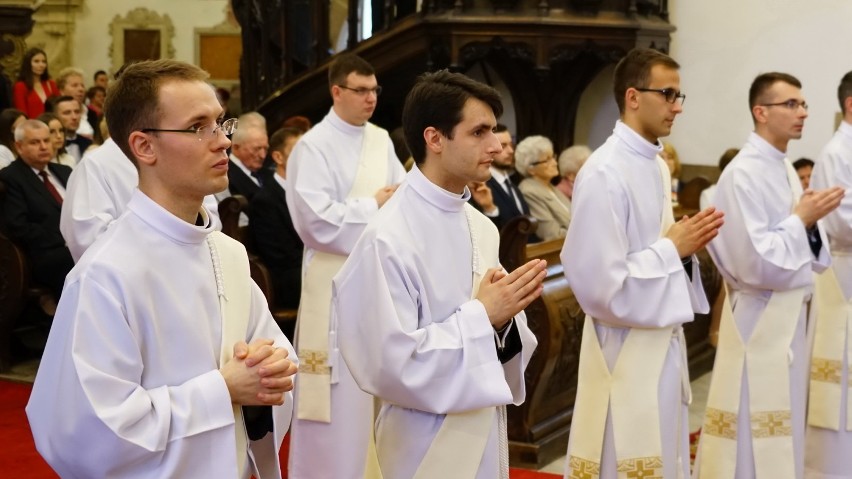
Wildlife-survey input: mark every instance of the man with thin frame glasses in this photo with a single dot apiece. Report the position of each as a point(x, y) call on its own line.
point(338, 176)
point(768, 251)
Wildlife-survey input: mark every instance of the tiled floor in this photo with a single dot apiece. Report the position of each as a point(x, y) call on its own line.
point(700, 388)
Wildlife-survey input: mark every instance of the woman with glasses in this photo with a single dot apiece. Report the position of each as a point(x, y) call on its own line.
point(534, 159)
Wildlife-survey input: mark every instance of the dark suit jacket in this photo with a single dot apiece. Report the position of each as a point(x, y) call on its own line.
point(31, 219)
point(277, 242)
point(240, 183)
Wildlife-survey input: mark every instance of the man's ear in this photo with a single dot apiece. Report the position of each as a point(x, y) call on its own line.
point(631, 99)
point(434, 140)
point(759, 114)
point(277, 157)
point(142, 148)
point(847, 105)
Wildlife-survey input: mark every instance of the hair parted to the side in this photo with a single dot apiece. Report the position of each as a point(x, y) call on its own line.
point(763, 82)
point(437, 100)
point(634, 71)
point(132, 101)
point(844, 91)
point(346, 63)
point(280, 137)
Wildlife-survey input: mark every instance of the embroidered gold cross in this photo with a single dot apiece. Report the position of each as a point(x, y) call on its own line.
point(642, 468)
point(825, 370)
point(771, 424)
point(313, 362)
point(720, 423)
point(583, 469)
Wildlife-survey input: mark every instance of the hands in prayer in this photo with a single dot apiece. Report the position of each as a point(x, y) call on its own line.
point(505, 295)
point(814, 204)
point(481, 193)
point(259, 374)
point(385, 193)
point(691, 234)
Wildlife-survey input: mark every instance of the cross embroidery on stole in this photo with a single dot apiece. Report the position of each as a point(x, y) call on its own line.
point(579, 468)
point(642, 468)
point(720, 424)
point(771, 424)
point(826, 370)
point(313, 362)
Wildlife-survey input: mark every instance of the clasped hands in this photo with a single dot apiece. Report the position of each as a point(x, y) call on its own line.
point(259, 374)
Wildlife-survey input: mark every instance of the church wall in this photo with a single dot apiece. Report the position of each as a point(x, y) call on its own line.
point(92, 35)
point(722, 45)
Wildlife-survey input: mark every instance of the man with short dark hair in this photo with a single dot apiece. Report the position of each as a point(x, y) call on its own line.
point(768, 251)
point(35, 189)
point(428, 320)
point(69, 112)
point(70, 83)
point(101, 79)
point(633, 271)
point(339, 174)
point(829, 437)
point(804, 168)
point(147, 371)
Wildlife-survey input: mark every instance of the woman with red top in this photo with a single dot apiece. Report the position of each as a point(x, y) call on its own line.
point(34, 85)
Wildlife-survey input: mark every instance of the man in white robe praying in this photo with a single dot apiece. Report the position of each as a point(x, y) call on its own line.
point(767, 253)
point(829, 436)
point(163, 359)
point(633, 271)
point(339, 174)
point(427, 320)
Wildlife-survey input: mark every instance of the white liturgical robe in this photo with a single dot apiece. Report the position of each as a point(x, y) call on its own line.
point(827, 454)
point(321, 172)
point(410, 332)
point(97, 194)
point(129, 384)
point(761, 249)
point(626, 276)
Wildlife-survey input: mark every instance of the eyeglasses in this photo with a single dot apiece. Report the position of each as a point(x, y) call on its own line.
point(228, 127)
point(789, 104)
point(363, 91)
point(550, 157)
point(671, 94)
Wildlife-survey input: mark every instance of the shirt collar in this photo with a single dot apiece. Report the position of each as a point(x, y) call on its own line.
point(764, 148)
point(280, 180)
point(434, 194)
point(636, 142)
point(846, 130)
point(242, 166)
point(166, 223)
point(343, 126)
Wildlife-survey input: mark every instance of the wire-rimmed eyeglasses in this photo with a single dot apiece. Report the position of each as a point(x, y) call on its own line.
point(670, 94)
point(228, 127)
point(791, 104)
point(363, 91)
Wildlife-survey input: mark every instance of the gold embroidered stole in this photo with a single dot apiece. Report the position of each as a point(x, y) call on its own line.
point(831, 332)
point(230, 264)
point(313, 335)
point(766, 359)
point(458, 447)
point(630, 392)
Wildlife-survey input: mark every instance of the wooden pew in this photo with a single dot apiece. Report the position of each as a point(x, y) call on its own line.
point(229, 213)
point(538, 429)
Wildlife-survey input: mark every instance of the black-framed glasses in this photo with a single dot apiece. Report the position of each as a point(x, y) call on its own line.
point(670, 94)
point(790, 104)
point(228, 127)
point(363, 91)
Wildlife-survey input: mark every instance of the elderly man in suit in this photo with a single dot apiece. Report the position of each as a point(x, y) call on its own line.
point(35, 190)
point(245, 170)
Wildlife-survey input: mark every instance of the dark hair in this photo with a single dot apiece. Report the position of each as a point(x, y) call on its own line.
point(802, 163)
point(299, 122)
point(25, 74)
point(46, 118)
point(280, 137)
point(133, 100)
point(726, 157)
point(500, 128)
point(764, 82)
point(52, 102)
point(90, 93)
point(99, 73)
point(8, 117)
point(437, 100)
point(844, 90)
point(634, 71)
point(400, 149)
point(346, 63)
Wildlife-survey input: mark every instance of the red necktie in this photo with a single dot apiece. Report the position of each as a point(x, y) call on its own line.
point(50, 188)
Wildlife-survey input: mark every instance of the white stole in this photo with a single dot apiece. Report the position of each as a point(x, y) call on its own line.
point(766, 359)
point(231, 267)
point(630, 391)
point(458, 447)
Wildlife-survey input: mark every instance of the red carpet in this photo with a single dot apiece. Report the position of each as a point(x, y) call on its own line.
point(20, 459)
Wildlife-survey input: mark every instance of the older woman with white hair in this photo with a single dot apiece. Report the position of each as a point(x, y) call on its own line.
point(570, 161)
point(534, 159)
